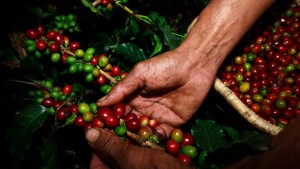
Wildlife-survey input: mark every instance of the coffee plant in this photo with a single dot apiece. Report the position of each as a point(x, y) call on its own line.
point(58, 58)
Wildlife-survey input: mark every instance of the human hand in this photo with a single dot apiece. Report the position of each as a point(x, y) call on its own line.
point(169, 88)
point(111, 152)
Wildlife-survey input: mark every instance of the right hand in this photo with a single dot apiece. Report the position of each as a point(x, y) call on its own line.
point(169, 88)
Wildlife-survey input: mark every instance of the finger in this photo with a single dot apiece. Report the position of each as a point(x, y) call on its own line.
point(105, 144)
point(121, 90)
point(163, 131)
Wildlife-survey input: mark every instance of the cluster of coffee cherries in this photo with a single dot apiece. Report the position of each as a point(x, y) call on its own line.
point(266, 74)
point(63, 104)
point(58, 47)
point(182, 146)
point(67, 23)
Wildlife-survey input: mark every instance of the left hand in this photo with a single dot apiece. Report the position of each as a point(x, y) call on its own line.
point(115, 153)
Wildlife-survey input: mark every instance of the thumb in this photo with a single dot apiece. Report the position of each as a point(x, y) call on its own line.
point(121, 90)
point(104, 143)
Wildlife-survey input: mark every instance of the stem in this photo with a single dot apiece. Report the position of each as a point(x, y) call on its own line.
point(176, 34)
point(96, 2)
point(143, 142)
point(20, 81)
point(136, 16)
point(113, 80)
point(65, 50)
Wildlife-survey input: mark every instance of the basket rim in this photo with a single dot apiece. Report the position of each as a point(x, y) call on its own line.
point(244, 110)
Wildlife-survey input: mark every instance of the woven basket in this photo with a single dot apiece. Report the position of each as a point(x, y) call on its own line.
point(240, 107)
point(245, 111)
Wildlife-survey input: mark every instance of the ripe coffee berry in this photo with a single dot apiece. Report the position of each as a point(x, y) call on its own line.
point(112, 121)
point(119, 109)
point(172, 147)
point(115, 71)
point(41, 45)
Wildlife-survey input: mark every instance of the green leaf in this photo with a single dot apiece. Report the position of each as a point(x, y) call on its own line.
point(130, 52)
point(170, 40)
point(256, 140)
point(78, 87)
point(209, 135)
point(90, 5)
point(134, 26)
point(70, 119)
point(234, 134)
point(158, 46)
point(24, 124)
point(37, 11)
point(50, 153)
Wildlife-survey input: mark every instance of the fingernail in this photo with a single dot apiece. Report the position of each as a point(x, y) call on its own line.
point(103, 98)
point(92, 135)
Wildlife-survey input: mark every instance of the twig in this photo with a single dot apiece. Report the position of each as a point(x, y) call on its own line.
point(143, 142)
point(20, 81)
point(136, 16)
point(113, 80)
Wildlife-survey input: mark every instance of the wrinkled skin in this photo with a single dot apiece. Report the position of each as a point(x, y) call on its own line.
point(117, 154)
point(162, 89)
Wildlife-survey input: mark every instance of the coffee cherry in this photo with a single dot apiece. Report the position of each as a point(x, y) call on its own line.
point(50, 34)
point(172, 147)
point(79, 53)
point(115, 71)
point(32, 34)
point(74, 108)
point(121, 130)
point(94, 60)
point(54, 47)
point(83, 107)
point(144, 120)
point(176, 134)
point(144, 132)
point(57, 104)
point(74, 46)
point(79, 121)
point(90, 51)
point(48, 102)
point(62, 113)
point(41, 45)
point(112, 121)
point(67, 90)
point(55, 57)
point(152, 123)
point(189, 150)
point(133, 125)
point(119, 109)
point(130, 116)
point(187, 139)
point(104, 112)
point(88, 116)
point(103, 61)
point(58, 38)
point(101, 80)
point(184, 158)
point(97, 122)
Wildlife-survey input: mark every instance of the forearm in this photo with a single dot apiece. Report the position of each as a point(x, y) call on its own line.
point(219, 27)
